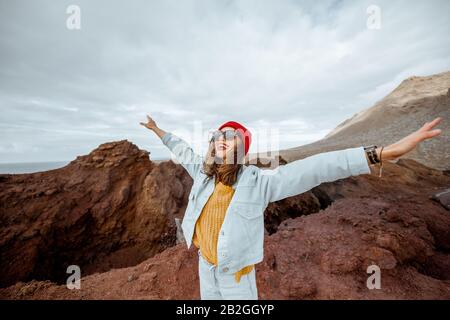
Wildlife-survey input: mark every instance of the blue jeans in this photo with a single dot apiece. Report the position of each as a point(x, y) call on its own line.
point(219, 286)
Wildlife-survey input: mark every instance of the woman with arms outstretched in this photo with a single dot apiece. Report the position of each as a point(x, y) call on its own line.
point(224, 218)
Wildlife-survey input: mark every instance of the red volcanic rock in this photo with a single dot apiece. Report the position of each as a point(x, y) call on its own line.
point(113, 212)
point(109, 209)
point(389, 222)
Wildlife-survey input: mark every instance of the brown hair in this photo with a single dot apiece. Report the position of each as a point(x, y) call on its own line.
point(225, 172)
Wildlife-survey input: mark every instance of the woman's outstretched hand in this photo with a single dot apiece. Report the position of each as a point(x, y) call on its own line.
point(151, 125)
point(409, 142)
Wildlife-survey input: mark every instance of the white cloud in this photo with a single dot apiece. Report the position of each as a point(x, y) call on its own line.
point(300, 67)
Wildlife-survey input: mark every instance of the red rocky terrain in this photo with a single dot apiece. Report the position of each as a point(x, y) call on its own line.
point(110, 209)
point(392, 222)
point(113, 212)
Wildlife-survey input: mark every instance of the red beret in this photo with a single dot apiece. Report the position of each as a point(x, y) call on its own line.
point(245, 132)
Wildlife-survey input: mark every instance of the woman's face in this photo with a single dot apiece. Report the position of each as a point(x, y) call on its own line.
point(224, 147)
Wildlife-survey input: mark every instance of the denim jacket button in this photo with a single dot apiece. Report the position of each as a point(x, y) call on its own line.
point(225, 269)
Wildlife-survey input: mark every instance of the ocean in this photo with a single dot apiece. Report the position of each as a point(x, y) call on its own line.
point(30, 167)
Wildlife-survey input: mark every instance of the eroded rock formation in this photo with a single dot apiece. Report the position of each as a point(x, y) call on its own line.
point(109, 209)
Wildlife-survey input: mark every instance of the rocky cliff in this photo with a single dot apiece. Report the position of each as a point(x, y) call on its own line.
point(415, 101)
point(113, 212)
point(109, 209)
point(391, 222)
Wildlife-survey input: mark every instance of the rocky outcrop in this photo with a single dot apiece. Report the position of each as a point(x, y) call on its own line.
point(443, 197)
point(390, 222)
point(415, 101)
point(114, 213)
point(109, 209)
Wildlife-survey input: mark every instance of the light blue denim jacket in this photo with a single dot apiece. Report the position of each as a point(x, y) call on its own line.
point(241, 237)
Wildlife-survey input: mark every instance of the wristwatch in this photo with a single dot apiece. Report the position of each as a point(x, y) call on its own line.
point(372, 154)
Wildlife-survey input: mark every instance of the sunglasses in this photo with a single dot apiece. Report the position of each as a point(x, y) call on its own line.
point(228, 135)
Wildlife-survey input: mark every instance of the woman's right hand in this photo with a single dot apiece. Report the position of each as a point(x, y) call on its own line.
point(151, 124)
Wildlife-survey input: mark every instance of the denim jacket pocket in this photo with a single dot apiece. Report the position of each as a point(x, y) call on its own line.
point(248, 210)
point(248, 227)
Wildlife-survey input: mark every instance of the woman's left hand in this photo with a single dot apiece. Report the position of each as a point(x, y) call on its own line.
point(409, 142)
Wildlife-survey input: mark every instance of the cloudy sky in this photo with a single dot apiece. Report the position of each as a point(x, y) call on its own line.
point(293, 68)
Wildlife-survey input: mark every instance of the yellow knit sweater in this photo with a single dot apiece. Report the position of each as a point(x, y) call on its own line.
point(208, 225)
